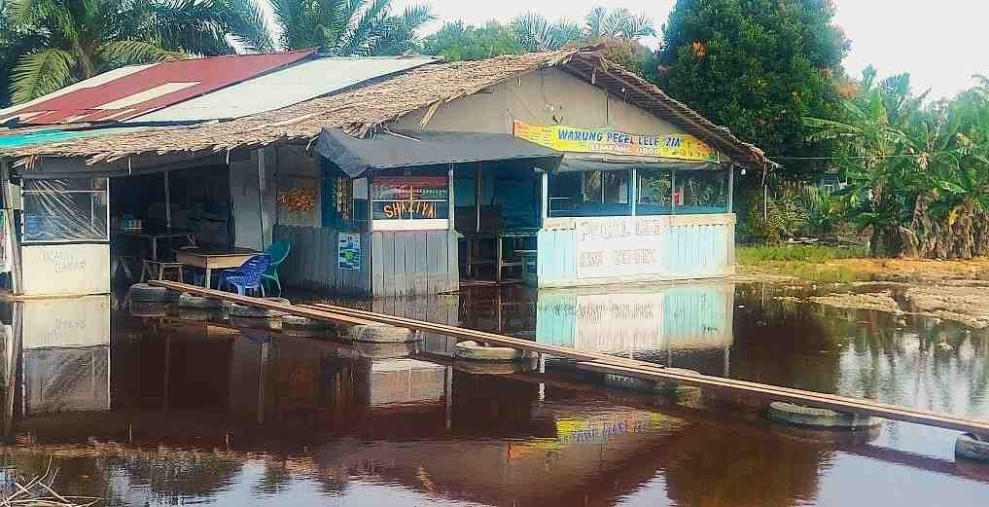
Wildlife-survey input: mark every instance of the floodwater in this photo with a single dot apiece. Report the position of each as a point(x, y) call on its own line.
point(167, 409)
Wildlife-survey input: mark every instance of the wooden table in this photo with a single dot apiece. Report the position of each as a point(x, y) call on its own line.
point(153, 236)
point(210, 259)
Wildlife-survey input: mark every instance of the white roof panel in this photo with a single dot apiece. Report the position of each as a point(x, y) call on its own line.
point(282, 88)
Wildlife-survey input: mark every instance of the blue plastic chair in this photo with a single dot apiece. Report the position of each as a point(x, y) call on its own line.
point(248, 275)
point(278, 252)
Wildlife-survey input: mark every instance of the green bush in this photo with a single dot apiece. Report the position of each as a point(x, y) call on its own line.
point(805, 253)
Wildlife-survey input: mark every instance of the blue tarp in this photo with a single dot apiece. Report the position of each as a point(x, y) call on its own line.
point(13, 139)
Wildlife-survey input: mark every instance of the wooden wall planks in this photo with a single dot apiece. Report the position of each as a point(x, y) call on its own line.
point(393, 264)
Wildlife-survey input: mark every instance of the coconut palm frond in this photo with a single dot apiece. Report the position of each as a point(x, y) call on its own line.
point(128, 52)
point(369, 26)
point(563, 32)
point(41, 73)
point(400, 34)
point(531, 30)
point(594, 22)
point(639, 26)
point(248, 25)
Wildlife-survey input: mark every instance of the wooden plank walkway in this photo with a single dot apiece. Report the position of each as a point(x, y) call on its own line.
point(605, 363)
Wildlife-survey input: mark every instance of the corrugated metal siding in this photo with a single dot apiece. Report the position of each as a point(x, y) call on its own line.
point(283, 88)
point(93, 100)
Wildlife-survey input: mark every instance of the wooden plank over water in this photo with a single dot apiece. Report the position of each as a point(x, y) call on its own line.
point(606, 363)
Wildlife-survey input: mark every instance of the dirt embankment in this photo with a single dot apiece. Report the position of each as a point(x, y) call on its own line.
point(965, 304)
point(880, 301)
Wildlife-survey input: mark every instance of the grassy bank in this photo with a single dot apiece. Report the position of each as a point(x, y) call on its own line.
point(841, 264)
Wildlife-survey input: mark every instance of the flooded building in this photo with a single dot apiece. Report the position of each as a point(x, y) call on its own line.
point(556, 169)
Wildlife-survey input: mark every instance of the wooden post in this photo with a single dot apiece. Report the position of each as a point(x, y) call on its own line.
point(544, 205)
point(14, 255)
point(478, 190)
point(633, 190)
point(450, 199)
point(673, 195)
point(168, 203)
point(261, 184)
point(370, 204)
point(731, 188)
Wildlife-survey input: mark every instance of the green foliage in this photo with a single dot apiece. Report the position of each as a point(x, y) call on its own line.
point(353, 27)
point(758, 67)
point(536, 33)
point(457, 41)
point(57, 42)
point(749, 255)
point(918, 173)
point(619, 29)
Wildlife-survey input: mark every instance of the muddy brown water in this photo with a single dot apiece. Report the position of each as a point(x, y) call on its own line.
point(169, 409)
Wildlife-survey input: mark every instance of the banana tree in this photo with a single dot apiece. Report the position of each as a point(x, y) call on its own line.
point(876, 158)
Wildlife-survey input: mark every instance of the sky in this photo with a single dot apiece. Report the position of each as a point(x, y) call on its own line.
point(941, 44)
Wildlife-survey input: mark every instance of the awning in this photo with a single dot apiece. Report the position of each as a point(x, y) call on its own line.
point(571, 164)
point(387, 150)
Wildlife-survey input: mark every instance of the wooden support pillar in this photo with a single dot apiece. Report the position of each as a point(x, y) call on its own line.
point(544, 201)
point(633, 190)
point(673, 194)
point(450, 199)
point(10, 230)
point(478, 193)
point(731, 188)
point(168, 202)
point(261, 185)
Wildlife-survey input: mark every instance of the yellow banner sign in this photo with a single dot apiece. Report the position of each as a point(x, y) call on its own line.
point(608, 141)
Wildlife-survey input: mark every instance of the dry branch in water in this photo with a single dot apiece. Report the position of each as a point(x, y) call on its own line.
point(39, 492)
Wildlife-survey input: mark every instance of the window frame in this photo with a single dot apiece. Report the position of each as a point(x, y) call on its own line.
point(26, 192)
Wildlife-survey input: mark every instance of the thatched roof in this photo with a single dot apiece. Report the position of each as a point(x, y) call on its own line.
point(362, 109)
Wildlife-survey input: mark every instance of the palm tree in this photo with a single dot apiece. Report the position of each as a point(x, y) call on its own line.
point(349, 27)
point(536, 33)
point(602, 23)
point(77, 39)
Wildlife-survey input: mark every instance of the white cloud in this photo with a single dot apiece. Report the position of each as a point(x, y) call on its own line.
point(942, 44)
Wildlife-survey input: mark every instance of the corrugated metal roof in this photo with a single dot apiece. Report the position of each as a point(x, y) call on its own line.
point(133, 91)
point(282, 88)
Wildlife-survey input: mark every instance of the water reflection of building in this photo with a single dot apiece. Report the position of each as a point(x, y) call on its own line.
point(66, 354)
point(638, 321)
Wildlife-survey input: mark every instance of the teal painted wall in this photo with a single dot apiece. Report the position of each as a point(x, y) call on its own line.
point(687, 251)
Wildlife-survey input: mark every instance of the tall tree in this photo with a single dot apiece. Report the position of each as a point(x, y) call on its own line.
point(349, 27)
point(77, 39)
point(459, 41)
point(758, 67)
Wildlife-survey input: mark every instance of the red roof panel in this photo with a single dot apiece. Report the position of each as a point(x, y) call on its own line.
point(157, 86)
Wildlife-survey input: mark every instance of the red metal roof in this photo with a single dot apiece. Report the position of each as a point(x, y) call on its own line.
point(159, 85)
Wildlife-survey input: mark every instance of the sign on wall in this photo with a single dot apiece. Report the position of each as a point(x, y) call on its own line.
point(608, 141)
point(349, 251)
point(619, 246)
point(417, 197)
